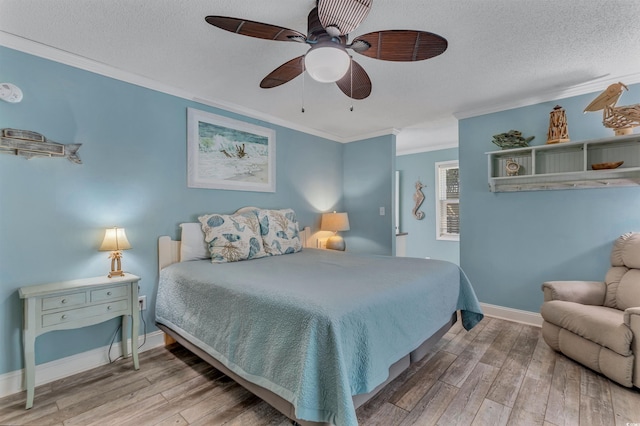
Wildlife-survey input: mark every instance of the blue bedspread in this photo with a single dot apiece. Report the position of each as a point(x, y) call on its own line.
point(314, 327)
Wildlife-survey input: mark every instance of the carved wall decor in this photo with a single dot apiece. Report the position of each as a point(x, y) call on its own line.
point(558, 129)
point(418, 197)
point(31, 144)
point(622, 119)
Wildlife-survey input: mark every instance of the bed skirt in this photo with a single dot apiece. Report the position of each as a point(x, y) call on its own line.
point(284, 406)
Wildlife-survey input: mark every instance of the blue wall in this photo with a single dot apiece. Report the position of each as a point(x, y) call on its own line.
point(369, 173)
point(421, 241)
point(512, 242)
point(53, 213)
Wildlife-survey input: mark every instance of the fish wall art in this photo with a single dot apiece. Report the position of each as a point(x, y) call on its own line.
point(30, 144)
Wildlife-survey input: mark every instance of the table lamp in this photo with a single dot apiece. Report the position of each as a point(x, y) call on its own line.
point(335, 222)
point(115, 240)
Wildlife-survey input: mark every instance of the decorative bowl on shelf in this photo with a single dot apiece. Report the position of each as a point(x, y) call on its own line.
point(606, 166)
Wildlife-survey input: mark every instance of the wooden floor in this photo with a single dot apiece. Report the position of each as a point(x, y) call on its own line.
point(500, 373)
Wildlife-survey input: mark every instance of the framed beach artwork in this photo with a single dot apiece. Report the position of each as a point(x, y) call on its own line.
point(223, 153)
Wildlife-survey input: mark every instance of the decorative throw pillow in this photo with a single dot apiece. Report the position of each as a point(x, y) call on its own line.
point(232, 237)
point(280, 231)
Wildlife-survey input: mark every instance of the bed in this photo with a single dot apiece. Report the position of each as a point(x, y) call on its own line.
point(315, 333)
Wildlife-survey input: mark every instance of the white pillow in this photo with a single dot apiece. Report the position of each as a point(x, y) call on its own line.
point(193, 246)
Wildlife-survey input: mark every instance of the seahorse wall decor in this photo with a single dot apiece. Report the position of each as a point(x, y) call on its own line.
point(418, 197)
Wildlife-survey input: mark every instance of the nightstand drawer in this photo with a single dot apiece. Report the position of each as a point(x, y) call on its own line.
point(64, 301)
point(120, 306)
point(117, 292)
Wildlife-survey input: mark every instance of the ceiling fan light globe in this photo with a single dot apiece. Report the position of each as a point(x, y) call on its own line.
point(327, 64)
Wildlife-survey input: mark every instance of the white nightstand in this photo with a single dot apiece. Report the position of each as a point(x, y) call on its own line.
point(75, 304)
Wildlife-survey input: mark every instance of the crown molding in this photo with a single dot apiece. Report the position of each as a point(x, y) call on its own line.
point(67, 58)
point(434, 147)
point(384, 132)
point(71, 59)
point(546, 96)
point(247, 112)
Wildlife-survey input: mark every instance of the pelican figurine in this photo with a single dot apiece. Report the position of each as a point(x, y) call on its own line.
point(622, 119)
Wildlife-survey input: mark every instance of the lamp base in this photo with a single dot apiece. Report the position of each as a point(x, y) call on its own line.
point(116, 266)
point(115, 274)
point(336, 242)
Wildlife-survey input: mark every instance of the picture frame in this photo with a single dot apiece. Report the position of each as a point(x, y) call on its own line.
point(224, 153)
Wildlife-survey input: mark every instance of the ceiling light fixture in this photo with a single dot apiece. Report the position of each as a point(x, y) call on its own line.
point(327, 62)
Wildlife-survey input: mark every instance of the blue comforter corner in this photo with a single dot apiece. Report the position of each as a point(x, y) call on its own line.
point(317, 326)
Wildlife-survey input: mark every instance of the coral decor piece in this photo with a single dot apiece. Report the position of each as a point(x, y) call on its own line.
point(511, 139)
point(558, 130)
point(622, 119)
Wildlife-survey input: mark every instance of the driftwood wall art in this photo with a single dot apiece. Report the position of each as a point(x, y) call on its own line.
point(418, 197)
point(31, 144)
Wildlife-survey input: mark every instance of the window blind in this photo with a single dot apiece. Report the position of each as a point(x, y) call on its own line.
point(448, 200)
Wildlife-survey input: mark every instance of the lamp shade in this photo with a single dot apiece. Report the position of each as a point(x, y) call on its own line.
point(327, 63)
point(334, 222)
point(115, 239)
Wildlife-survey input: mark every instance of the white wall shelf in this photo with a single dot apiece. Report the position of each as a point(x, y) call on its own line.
point(567, 165)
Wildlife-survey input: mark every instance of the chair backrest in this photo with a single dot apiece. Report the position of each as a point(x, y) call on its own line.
point(623, 279)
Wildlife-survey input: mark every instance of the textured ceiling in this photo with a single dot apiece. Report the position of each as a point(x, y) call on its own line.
point(500, 51)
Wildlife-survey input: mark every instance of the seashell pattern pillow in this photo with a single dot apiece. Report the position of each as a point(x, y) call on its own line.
point(232, 238)
point(280, 231)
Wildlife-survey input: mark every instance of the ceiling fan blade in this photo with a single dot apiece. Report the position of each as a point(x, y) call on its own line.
point(255, 29)
point(340, 17)
point(402, 45)
point(361, 82)
point(284, 73)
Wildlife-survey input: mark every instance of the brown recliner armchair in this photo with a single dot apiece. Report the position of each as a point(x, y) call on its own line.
point(598, 323)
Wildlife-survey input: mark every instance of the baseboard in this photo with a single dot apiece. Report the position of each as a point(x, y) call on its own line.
point(510, 314)
point(12, 382)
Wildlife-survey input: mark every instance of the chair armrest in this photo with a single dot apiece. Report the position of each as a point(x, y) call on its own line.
point(632, 314)
point(632, 320)
point(584, 292)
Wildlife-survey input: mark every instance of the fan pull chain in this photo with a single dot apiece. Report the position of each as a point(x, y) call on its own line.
point(302, 110)
point(351, 72)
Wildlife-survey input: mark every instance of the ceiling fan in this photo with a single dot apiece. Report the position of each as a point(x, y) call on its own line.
point(327, 60)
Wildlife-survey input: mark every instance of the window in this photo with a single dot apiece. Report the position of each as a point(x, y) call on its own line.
point(447, 201)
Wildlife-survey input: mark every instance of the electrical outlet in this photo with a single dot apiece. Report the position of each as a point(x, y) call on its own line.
point(142, 302)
